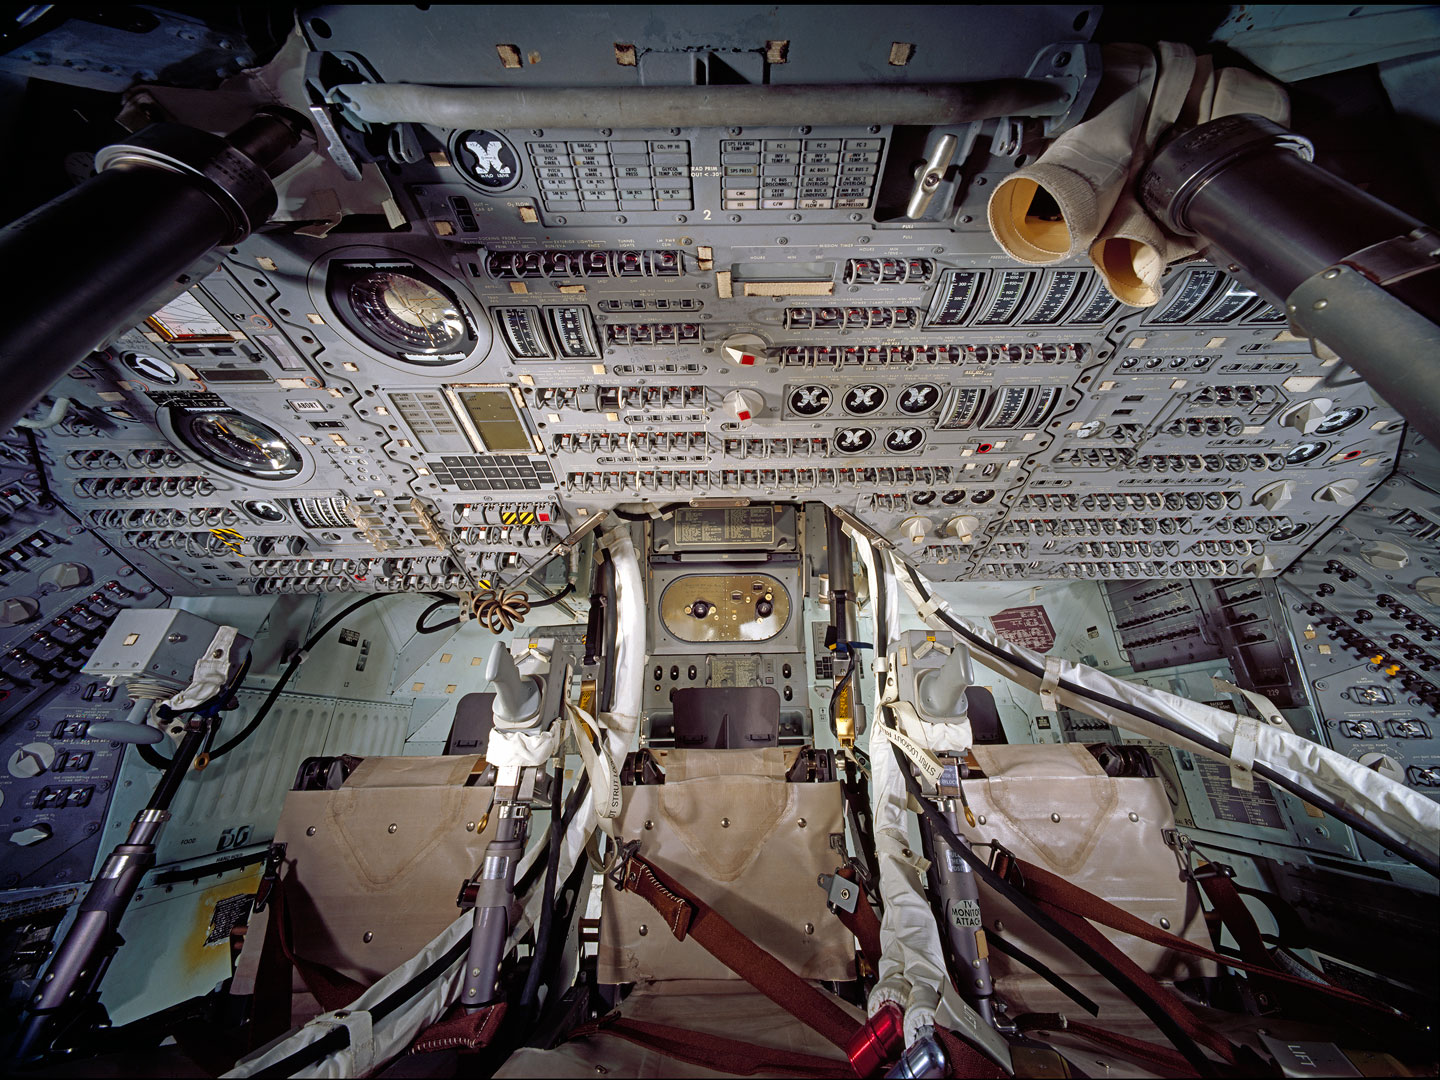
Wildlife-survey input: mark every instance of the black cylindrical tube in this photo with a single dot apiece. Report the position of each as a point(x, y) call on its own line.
point(90, 259)
point(1247, 188)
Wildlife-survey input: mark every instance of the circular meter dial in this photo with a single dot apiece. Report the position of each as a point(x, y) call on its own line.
point(407, 312)
point(239, 443)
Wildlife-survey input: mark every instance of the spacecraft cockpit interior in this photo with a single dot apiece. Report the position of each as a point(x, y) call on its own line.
point(727, 540)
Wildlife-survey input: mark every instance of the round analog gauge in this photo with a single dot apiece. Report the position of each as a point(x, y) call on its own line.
point(1339, 420)
point(1287, 532)
point(904, 440)
point(809, 400)
point(917, 399)
point(408, 313)
point(239, 443)
point(863, 400)
point(1306, 451)
point(264, 510)
point(854, 440)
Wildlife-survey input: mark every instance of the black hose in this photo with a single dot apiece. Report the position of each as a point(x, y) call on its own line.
point(420, 625)
point(277, 689)
point(572, 805)
point(1419, 858)
point(546, 601)
point(547, 901)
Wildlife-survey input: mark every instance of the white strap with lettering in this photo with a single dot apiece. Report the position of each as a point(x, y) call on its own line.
point(604, 776)
point(929, 767)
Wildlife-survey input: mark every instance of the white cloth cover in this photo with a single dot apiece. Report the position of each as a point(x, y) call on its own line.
point(1079, 196)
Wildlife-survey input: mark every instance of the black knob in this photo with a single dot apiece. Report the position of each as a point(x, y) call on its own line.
point(701, 608)
point(764, 608)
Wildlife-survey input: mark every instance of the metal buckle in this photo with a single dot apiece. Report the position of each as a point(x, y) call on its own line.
point(841, 894)
point(271, 876)
point(622, 862)
point(1004, 864)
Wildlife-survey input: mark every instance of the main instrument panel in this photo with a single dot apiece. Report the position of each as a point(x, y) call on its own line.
point(544, 324)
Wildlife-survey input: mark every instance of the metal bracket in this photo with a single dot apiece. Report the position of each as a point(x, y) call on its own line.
point(622, 861)
point(274, 858)
point(1077, 65)
point(839, 893)
point(1398, 258)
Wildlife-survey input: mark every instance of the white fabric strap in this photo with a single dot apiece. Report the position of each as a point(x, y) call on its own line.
point(604, 776)
point(1263, 705)
point(521, 748)
point(1050, 683)
point(1242, 753)
point(212, 672)
point(359, 1056)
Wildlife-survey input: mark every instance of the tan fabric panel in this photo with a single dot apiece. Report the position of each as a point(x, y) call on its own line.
point(1094, 845)
point(356, 876)
point(759, 871)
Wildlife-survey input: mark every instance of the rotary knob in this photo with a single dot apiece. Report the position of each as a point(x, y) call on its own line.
point(701, 608)
point(915, 529)
point(1341, 492)
point(963, 528)
point(1273, 496)
point(744, 350)
point(1307, 416)
point(1384, 555)
point(744, 405)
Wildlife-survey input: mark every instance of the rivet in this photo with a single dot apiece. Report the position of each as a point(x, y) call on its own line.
point(1330, 275)
point(979, 982)
point(1134, 816)
point(999, 927)
point(310, 831)
point(844, 894)
point(801, 823)
point(980, 820)
point(394, 828)
point(1055, 818)
point(601, 1068)
point(644, 929)
point(368, 937)
point(469, 826)
point(1319, 304)
point(649, 824)
point(475, 973)
point(1164, 923)
point(809, 928)
point(724, 823)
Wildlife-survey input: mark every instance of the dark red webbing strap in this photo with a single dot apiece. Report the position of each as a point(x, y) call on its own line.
point(1165, 998)
point(688, 915)
point(1041, 885)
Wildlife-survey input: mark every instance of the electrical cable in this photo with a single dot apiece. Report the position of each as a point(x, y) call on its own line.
point(664, 511)
point(276, 690)
point(441, 601)
point(1315, 798)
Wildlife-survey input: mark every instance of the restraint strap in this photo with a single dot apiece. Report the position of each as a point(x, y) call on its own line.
point(862, 922)
point(277, 955)
point(715, 1051)
point(688, 916)
point(1055, 891)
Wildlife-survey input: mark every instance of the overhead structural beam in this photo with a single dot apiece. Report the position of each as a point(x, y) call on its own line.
point(698, 106)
